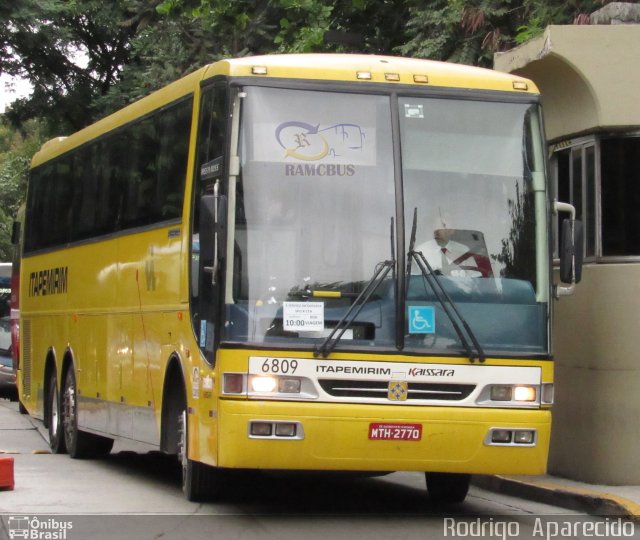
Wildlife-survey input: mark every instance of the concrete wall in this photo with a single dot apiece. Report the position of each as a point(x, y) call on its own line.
point(595, 436)
point(589, 78)
point(584, 75)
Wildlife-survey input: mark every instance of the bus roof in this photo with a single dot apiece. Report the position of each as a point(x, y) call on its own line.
point(372, 68)
point(332, 67)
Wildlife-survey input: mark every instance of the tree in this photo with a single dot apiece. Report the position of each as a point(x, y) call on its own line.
point(470, 32)
point(72, 52)
point(15, 154)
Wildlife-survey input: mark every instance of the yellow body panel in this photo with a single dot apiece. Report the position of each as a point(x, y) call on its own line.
point(336, 437)
point(336, 434)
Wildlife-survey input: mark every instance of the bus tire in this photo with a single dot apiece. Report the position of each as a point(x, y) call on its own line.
point(54, 417)
point(447, 488)
point(200, 482)
point(79, 444)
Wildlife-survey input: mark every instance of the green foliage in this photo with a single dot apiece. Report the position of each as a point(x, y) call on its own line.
point(71, 51)
point(16, 150)
point(470, 32)
point(86, 58)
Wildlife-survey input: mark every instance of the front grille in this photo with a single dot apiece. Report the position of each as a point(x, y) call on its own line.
point(380, 390)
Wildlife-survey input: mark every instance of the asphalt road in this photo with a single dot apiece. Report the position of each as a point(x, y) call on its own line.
point(138, 496)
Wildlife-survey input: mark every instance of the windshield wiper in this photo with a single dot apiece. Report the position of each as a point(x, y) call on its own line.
point(379, 274)
point(445, 300)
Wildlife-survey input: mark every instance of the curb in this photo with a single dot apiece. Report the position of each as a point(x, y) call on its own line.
point(548, 492)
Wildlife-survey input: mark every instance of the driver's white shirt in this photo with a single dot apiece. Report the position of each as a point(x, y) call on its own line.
point(442, 257)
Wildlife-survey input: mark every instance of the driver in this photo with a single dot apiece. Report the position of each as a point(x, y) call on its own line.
point(443, 253)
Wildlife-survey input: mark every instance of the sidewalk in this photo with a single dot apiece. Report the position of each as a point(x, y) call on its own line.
point(602, 500)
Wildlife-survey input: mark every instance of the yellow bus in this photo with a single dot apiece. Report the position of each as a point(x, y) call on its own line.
point(300, 262)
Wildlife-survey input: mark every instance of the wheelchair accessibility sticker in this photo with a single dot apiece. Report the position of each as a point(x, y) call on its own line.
point(422, 320)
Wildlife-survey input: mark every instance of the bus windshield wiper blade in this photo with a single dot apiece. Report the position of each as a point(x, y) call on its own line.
point(445, 300)
point(380, 273)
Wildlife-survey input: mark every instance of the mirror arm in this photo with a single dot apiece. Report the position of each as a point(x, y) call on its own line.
point(561, 290)
point(564, 207)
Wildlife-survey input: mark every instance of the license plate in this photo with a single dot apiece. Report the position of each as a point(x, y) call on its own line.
point(394, 432)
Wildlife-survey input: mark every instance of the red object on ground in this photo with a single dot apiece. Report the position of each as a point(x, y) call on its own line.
point(6, 472)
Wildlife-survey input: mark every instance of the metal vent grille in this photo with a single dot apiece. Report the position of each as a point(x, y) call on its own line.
point(25, 335)
point(380, 390)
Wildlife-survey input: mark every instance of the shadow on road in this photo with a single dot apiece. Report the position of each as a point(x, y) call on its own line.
point(274, 492)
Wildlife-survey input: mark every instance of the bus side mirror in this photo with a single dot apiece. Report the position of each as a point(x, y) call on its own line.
point(572, 251)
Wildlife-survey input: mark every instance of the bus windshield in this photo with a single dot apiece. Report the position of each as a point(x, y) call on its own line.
point(315, 219)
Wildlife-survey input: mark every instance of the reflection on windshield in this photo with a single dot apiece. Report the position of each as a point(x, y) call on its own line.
point(473, 173)
point(313, 204)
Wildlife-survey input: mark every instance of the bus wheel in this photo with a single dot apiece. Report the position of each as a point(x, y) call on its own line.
point(79, 443)
point(54, 418)
point(447, 488)
point(199, 481)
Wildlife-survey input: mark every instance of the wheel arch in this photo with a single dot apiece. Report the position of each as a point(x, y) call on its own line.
point(50, 370)
point(173, 401)
point(68, 362)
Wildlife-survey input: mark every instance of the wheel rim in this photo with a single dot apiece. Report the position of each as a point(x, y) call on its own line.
point(53, 406)
point(69, 410)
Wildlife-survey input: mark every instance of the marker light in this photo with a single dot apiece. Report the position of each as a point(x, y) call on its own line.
point(259, 70)
point(285, 429)
point(264, 384)
point(421, 79)
point(510, 437)
point(363, 75)
point(520, 85)
point(233, 383)
point(392, 76)
point(523, 437)
point(501, 436)
point(261, 429)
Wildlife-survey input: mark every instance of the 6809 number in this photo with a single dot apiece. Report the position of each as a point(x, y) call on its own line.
point(280, 366)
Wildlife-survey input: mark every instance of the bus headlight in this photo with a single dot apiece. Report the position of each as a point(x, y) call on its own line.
point(510, 393)
point(267, 384)
point(524, 393)
point(264, 384)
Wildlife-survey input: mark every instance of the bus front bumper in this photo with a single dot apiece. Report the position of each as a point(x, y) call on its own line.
point(378, 438)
